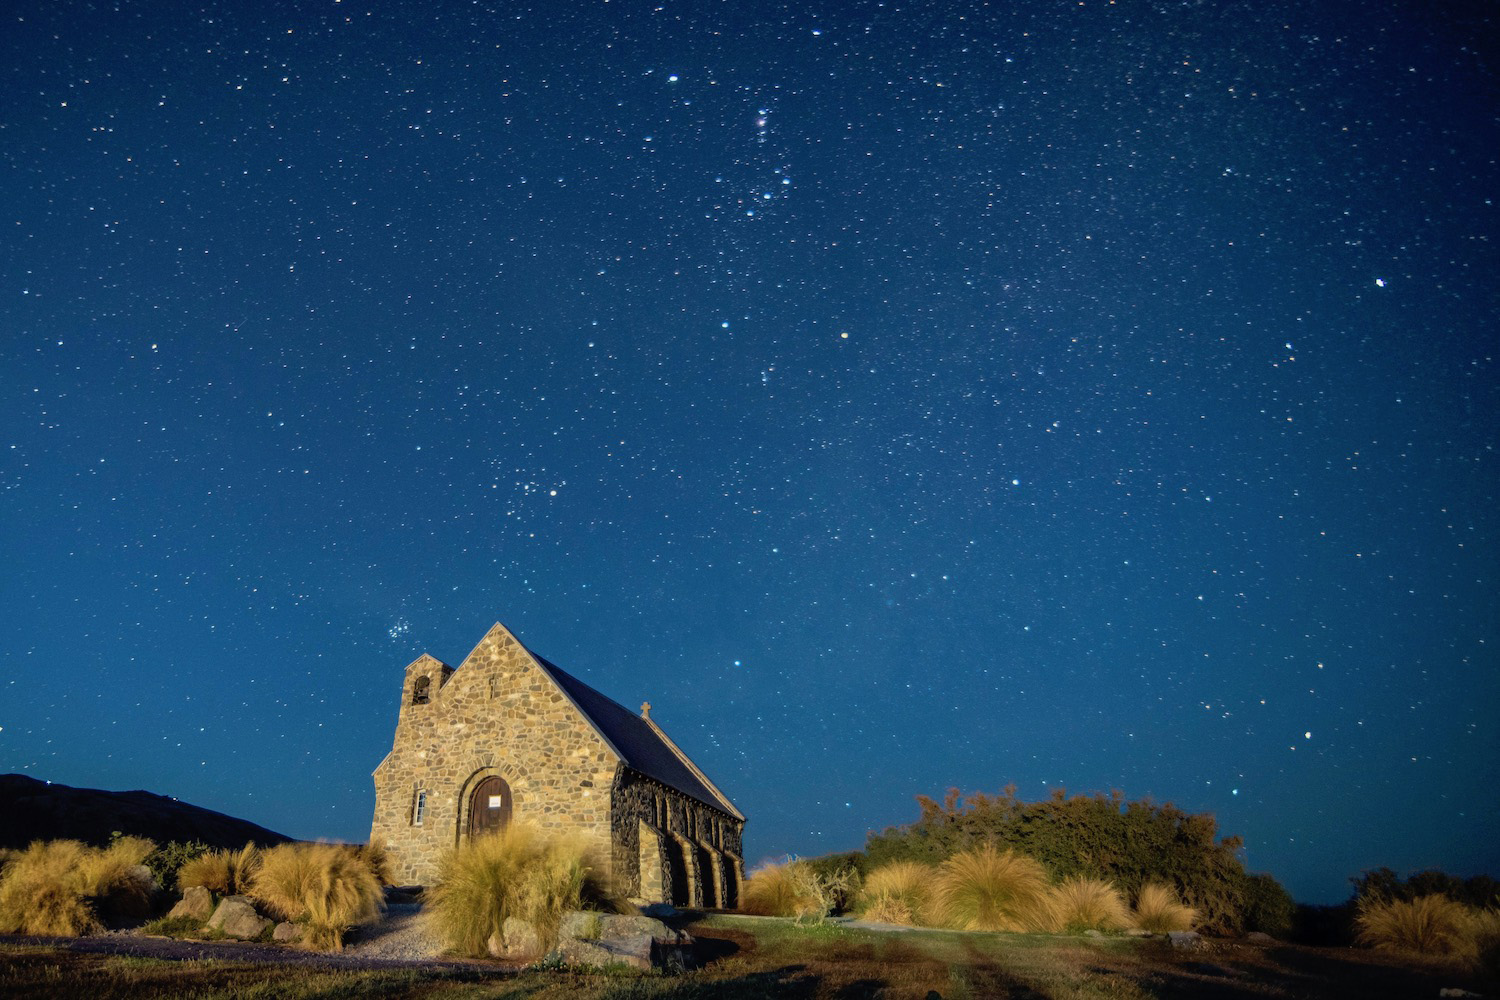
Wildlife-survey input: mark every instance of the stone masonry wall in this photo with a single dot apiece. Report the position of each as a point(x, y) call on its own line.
point(499, 714)
point(708, 842)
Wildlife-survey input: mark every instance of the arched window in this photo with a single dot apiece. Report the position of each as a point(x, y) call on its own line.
point(421, 691)
point(419, 807)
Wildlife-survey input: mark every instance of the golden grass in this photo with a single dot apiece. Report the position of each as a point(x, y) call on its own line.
point(787, 890)
point(1158, 909)
point(327, 887)
point(898, 893)
point(512, 873)
point(65, 888)
point(983, 889)
point(1427, 925)
point(1080, 904)
point(377, 858)
point(228, 873)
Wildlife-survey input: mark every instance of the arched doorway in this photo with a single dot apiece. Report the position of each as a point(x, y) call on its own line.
point(489, 806)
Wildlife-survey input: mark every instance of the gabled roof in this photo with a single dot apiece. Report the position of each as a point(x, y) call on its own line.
point(639, 741)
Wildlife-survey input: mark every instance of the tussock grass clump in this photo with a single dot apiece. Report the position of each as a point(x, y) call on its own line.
point(983, 889)
point(65, 888)
point(327, 887)
point(228, 873)
point(1427, 925)
point(377, 858)
point(514, 872)
point(898, 893)
point(786, 890)
point(1159, 910)
point(1081, 904)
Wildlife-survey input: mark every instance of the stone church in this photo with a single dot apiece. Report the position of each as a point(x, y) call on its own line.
point(509, 737)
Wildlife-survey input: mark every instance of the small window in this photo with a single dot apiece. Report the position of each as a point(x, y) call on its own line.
point(421, 691)
point(419, 807)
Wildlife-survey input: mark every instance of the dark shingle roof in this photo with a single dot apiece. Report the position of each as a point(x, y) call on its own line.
point(643, 746)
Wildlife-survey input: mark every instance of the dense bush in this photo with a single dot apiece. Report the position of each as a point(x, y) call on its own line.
point(1268, 907)
point(1094, 836)
point(795, 889)
point(1080, 903)
point(984, 889)
point(1427, 925)
point(1159, 910)
point(898, 893)
point(1480, 892)
point(327, 887)
point(63, 887)
point(513, 873)
point(228, 873)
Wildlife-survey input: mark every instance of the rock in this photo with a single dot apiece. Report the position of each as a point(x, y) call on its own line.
point(1186, 941)
point(633, 951)
point(288, 933)
point(517, 940)
point(1454, 991)
point(1091, 932)
point(659, 910)
point(237, 918)
point(196, 902)
point(1136, 932)
point(637, 941)
point(1259, 937)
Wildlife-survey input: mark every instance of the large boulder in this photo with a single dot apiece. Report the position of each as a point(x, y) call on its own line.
point(237, 918)
point(196, 902)
point(634, 951)
point(637, 941)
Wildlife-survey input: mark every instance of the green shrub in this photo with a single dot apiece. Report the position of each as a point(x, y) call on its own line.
point(1268, 907)
point(1080, 904)
point(985, 889)
point(327, 887)
point(898, 893)
point(1159, 909)
point(168, 859)
point(65, 888)
point(1427, 925)
point(514, 872)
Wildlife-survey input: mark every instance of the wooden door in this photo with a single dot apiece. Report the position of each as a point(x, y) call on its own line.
point(489, 806)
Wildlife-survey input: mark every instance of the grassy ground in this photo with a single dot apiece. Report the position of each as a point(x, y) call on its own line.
point(765, 958)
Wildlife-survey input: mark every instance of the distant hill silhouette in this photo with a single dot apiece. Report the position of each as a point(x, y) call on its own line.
point(36, 810)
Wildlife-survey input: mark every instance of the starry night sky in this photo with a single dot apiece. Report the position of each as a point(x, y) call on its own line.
point(897, 395)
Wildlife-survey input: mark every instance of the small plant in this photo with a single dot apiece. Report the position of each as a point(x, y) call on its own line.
point(325, 886)
point(514, 872)
point(1159, 910)
point(174, 927)
point(1080, 904)
point(786, 890)
point(166, 861)
point(228, 873)
point(898, 893)
point(64, 888)
point(1427, 925)
point(988, 890)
